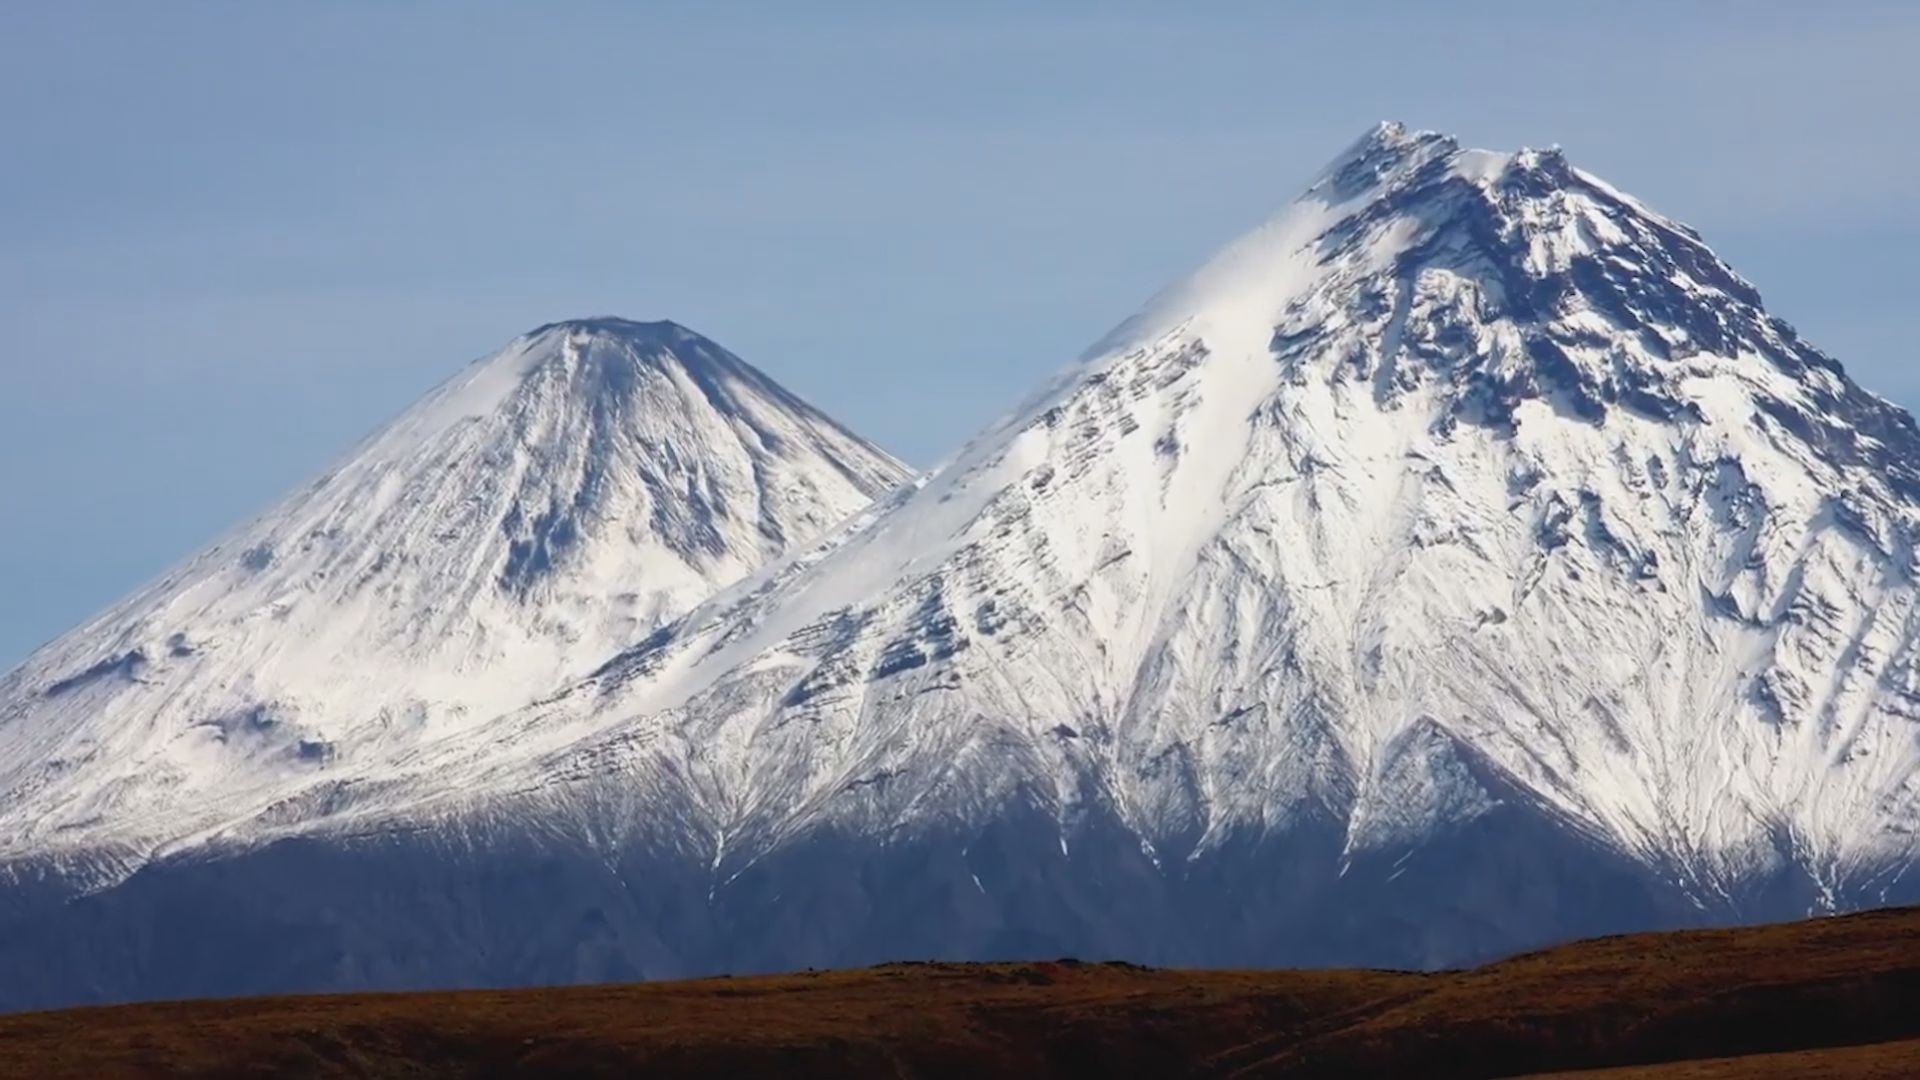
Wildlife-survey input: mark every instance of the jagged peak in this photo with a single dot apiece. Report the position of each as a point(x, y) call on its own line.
point(1391, 160)
point(1387, 197)
point(1596, 300)
point(1553, 157)
point(1392, 136)
point(1387, 152)
point(1249, 283)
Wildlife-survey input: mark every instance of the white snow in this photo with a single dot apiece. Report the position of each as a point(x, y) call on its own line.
point(383, 606)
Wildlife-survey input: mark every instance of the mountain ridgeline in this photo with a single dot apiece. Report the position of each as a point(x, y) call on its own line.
point(1462, 561)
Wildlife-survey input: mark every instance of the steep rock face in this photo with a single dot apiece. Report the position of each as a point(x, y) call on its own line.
point(572, 493)
point(1463, 560)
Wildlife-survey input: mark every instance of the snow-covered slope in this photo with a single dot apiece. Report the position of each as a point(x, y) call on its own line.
point(1461, 561)
point(1464, 462)
point(567, 495)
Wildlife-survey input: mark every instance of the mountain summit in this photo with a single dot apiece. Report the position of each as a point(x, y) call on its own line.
point(1466, 499)
point(1461, 561)
point(569, 494)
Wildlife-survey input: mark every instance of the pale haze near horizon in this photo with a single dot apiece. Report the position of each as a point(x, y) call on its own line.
point(235, 238)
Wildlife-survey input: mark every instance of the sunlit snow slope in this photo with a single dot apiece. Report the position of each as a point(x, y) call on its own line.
point(552, 502)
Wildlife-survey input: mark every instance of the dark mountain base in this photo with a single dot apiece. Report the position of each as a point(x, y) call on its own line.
point(1829, 997)
point(413, 913)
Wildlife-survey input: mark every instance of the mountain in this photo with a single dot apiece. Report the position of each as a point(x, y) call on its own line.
point(1462, 561)
point(556, 500)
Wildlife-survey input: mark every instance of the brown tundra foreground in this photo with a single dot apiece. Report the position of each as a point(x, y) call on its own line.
point(1825, 998)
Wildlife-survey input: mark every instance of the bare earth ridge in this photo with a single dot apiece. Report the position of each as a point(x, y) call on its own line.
point(1827, 997)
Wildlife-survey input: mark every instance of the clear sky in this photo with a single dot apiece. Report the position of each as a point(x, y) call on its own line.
point(236, 236)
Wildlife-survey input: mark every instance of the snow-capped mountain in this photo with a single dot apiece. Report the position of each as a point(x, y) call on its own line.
point(564, 496)
point(1461, 561)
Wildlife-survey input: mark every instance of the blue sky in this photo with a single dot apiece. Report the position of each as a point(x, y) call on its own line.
point(234, 237)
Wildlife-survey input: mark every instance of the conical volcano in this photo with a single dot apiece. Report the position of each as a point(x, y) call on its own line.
point(573, 492)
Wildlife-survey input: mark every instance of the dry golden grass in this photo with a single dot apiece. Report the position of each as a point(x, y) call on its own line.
point(1832, 997)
